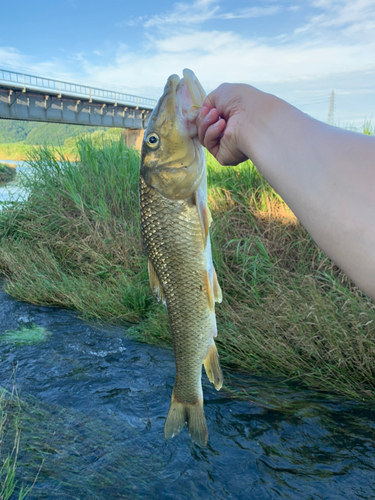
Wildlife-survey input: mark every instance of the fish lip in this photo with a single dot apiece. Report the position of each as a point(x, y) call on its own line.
point(172, 84)
point(196, 91)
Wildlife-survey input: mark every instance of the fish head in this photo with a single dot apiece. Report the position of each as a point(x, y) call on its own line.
point(172, 158)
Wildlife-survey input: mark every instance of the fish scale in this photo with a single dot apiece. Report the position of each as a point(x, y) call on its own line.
point(184, 288)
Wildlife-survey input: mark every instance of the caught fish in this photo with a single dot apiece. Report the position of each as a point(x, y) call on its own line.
point(175, 221)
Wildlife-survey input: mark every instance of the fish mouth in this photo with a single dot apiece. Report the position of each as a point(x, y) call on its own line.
point(196, 94)
point(181, 102)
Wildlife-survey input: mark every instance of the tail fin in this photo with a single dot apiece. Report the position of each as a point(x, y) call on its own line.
point(193, 415)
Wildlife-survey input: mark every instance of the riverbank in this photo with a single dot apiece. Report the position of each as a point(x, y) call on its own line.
point(287, 309)
point(7, 173)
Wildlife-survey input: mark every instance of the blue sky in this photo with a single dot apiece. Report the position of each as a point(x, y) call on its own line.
point(298, 50)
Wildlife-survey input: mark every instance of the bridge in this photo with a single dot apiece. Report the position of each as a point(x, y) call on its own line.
point(34, 98)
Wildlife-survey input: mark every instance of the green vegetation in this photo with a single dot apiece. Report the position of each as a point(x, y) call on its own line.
point(19, 138)
point(40, 133)
point(287, 309)
point(10, 409)
point(16, 151)
point(26, 335)
point(7, 173)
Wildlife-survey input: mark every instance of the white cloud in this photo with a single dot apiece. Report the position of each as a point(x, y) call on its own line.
point(348, 18)
point(185, 13)
point(201, 11)
point(251, 12)
point(218, 56)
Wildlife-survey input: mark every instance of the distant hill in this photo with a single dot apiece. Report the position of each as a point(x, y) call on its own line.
point(39, 133)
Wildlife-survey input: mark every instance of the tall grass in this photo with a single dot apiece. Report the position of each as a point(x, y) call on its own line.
point(287, 309)
point(9, 426)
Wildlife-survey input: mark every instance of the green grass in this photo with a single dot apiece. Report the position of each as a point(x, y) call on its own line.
point(10, 410)
point(287, 311)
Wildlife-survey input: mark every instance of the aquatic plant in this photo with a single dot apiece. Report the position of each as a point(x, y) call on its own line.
point(287, 309)
point(25, 335)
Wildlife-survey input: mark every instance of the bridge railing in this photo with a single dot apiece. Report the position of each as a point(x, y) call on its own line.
point(30, 82)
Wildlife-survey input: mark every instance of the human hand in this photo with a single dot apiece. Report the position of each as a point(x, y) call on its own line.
point(222, 122)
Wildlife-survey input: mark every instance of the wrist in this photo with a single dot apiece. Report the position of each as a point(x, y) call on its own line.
point(260, 111)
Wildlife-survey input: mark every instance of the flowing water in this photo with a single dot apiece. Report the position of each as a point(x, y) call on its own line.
point(95, 402)
point(95, 405)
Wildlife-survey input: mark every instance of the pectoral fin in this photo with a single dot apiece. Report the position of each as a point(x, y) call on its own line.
point(212, 367)
point(204, 216)
point(156, 288)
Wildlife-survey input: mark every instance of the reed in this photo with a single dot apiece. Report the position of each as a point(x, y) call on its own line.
point(287, 309)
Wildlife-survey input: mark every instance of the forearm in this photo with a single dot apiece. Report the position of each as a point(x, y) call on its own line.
point(327, 177)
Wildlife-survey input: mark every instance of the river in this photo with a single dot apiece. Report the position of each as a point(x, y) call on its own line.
point(94, 411)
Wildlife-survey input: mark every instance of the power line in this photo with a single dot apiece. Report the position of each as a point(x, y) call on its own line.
point(331, 108)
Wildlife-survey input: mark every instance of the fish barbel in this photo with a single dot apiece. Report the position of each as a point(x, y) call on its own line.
point(175, 222)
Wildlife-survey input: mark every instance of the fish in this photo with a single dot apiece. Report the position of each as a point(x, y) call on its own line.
point(175, 222)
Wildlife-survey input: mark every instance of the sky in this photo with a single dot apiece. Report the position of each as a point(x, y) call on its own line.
point(297, 50)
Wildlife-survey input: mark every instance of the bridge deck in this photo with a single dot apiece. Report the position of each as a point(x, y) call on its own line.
point(28, 97)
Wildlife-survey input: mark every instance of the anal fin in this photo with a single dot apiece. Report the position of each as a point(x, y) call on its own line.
point(156, 288)
point(212, 366)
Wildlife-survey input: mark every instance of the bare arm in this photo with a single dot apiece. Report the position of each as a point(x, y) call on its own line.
point(325, 174)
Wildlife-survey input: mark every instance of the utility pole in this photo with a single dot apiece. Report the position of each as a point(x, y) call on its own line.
point(331, 108)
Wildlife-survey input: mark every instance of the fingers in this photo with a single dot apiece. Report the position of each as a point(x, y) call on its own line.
point(208, 103)
point(209, 119)
point(213, 134)
point(205, 118)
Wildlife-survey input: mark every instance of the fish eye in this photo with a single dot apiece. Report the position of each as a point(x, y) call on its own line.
point(153, 140)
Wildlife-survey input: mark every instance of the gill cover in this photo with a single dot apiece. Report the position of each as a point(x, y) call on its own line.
point(172, 160)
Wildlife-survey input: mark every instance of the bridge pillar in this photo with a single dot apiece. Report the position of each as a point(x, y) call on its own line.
point(133, 137)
